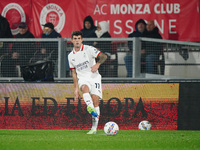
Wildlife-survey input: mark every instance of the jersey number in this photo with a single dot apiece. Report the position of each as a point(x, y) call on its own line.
point(97, 85)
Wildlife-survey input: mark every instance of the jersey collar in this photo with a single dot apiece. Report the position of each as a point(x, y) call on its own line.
point(81, 49)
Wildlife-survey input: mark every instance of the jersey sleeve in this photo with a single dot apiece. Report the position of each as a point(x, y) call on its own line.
point(94, 51)
point(71, 66)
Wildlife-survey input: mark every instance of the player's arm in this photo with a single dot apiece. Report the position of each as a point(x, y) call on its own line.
point(76, 88)
point(102, 58)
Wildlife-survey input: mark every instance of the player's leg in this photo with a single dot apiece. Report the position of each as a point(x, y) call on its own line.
point(96, 94)
point(86, 96)
point(95, 120)
point(88, 100)
point(95, 100)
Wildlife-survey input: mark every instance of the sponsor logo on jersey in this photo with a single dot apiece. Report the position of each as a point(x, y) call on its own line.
point(82, 66)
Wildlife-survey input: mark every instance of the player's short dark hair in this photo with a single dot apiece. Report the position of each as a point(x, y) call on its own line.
point(76, 33)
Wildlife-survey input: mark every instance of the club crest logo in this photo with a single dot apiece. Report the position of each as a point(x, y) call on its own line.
point(16, 14)
point(53, 13)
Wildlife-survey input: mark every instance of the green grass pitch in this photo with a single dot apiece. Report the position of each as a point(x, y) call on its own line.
point(79, 140)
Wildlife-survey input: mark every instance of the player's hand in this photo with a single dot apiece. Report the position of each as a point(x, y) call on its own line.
point(95, 67)
point(76, 95)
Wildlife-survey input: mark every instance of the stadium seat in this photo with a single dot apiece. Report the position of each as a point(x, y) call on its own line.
point(159, 66)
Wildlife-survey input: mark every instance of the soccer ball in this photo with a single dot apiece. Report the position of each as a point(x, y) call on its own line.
point(111, 128)
point(144, 125)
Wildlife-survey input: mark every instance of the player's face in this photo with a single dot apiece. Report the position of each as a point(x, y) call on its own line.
point(77, 41)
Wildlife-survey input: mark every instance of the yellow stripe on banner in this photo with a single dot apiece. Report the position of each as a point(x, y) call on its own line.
point(151, 91)
point(25, 92)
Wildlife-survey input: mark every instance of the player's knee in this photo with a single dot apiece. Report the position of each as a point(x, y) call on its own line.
point(84, 89)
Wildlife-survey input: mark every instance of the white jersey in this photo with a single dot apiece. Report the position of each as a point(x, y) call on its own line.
point(83, 60)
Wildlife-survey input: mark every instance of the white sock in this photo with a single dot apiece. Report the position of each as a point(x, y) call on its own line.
point(88, 100)
point(95, 120)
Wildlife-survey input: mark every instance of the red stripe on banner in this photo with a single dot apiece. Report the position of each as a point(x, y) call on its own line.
point(162, 116)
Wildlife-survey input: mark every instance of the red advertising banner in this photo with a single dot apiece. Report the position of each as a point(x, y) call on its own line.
point(175, 19)
point(52, 106)
point(65, 15)
point(16, 11)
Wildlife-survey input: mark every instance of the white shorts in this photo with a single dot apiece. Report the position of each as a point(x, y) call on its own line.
point(94, 85)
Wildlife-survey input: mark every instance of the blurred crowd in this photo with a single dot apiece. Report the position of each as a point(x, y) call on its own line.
point(16, 54)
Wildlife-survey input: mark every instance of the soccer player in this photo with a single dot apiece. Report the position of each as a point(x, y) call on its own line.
point(86, 76)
